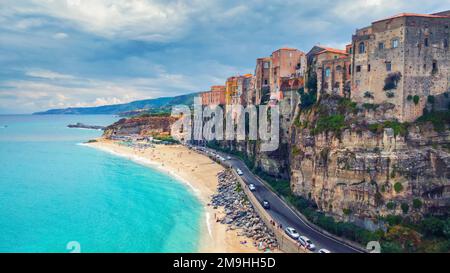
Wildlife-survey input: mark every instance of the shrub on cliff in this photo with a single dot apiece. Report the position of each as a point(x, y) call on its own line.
point(332, 123)
point(398, 187)
point(392, 80)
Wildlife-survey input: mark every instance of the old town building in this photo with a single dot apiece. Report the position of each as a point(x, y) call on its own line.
point(216, 96)
point(333, 71)
point(285, 62)
point(262, 80)
point(402, 60)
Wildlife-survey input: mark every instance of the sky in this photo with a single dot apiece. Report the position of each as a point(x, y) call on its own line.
point(76, 53)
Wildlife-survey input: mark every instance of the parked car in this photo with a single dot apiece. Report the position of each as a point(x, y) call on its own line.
point(266, 204)
point(228, 157)
point(304, 241)
point(239, 172)
point(252, 187)
point(291, 232)
point(323, 250)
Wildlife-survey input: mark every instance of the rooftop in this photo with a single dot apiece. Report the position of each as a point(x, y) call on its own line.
point(439, 15)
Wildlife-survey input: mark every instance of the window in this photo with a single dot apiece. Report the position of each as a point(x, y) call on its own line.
point(368, 67)
point(358, 68)
point(445, 43)
point(265, 82)
point(435, 67)
point(350, 69)
point(338, 68)
point(388, 66)
point(395, 43)
point(266, 65)
point(327, 72)
point(380, 46)
point(362, 48)
point(426, 42)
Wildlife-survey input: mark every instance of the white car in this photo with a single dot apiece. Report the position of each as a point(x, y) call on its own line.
point(239, 172)
point(291, 232)
point(304, 241)
point(323, 250)
point(252, 187)
point(228, 157)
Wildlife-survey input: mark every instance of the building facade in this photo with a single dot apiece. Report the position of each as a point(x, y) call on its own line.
point(285, 62)
point(333, 71)
point(402, 60)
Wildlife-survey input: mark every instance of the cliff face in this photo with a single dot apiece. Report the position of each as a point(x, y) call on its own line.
point(353, 169)
point(144, 126)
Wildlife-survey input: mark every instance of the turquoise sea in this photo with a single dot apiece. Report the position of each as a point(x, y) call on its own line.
point(54, 191)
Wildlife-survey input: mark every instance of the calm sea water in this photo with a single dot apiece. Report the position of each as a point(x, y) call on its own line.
point(54, 191)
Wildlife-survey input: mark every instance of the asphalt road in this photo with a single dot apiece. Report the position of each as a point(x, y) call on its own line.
point(283, 214)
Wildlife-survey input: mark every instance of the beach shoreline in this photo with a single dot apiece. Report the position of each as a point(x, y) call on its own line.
point(199, 173)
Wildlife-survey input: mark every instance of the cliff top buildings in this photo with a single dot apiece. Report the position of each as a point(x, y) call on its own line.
point(399, 58)
point(391, 61)
point(216, 96)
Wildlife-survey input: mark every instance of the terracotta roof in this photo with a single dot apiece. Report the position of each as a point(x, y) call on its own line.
point(412, 15)
point(333, 50)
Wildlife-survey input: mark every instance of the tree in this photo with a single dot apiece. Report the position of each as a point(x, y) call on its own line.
point(407, 238)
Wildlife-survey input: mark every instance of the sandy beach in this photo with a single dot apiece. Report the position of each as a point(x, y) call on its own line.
point(200, 174)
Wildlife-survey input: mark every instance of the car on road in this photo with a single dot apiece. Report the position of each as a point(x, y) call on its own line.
point(323, 250)
point(252, 187)
point(266, 204)
point(228, 157)
point(291, 232)
point(304, 241)
point(239, 172)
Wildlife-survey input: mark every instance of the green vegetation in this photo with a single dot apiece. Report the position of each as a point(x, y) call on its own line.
point(333, 123)
point(368, 95)
point(168, 139)
point(405, 208)
point(417, 204)
point(391, 205)
point(416, 99)
point(370, 106)
point(398, 187)
point(392, 80)
point(307, 100)
point(398, 127)
point(438, 118)
point(431, 99)
point(409, 98)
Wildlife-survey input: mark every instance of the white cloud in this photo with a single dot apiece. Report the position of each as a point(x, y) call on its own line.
point(133, 19)
point(60, 36)
point(47, 74)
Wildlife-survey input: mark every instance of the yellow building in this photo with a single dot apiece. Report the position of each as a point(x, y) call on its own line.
point(231, 89)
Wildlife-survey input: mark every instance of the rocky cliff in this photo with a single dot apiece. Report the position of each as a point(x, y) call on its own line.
point(143, 126)
point(355, 163)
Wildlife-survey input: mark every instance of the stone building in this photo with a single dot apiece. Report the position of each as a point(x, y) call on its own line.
point(231, 87)
point(333, 71)
point(262, 79)
point(402, 60)
point(216, 96)
point(285, 62)
point(242, 90)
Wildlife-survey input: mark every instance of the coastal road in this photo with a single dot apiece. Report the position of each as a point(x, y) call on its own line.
point(283, 214)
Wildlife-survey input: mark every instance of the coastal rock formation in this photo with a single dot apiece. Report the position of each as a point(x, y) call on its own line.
point(359, 171)
point(239, 213)
point(142, 125)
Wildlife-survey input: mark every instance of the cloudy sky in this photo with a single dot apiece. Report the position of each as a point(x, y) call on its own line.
point(61, 53)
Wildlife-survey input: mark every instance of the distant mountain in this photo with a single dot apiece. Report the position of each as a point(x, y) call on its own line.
point(159, 104)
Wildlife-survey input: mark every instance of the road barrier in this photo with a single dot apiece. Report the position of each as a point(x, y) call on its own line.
point(286, 243)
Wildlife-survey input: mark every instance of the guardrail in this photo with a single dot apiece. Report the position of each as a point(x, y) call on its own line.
point(286, 243)
point(313, 226)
